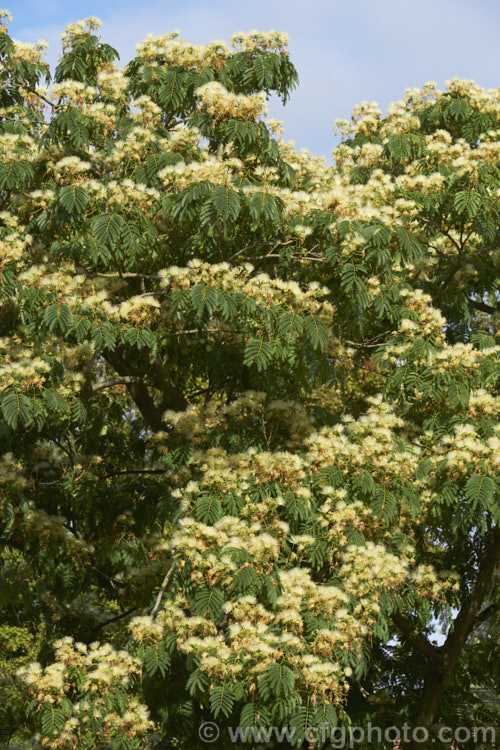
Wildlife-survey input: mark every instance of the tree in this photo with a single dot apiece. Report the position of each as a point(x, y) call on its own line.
point(249, 401)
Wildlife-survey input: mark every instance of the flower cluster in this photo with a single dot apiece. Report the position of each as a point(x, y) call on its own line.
point(74, 31)
point(223, 104)
point(210, 168)
point(97, 670)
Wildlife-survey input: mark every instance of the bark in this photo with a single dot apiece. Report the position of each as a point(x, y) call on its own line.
point(419, 641)
point(482, 306)
point(139, 391)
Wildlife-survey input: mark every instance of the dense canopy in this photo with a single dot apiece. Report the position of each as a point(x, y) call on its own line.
point(249, 435)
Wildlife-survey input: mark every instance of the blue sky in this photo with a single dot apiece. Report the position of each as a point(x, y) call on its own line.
point(345, 52)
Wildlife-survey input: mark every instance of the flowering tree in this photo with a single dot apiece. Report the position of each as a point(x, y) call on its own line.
point(249, 437)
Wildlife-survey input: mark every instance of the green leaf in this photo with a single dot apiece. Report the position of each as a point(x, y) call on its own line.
point(377, 234)
point(468, 202)
point(317, 332)
point(290, 324)
point(221, 700)
point(400, 146)
point(197, 682)
point(254, 714)
point(16, 407)
point(384, 504)
point(208, 509)
point(227, 305)
point(409, 243)
point(264, 206)
point(173, 89)
point(15, 174)
point(300, 721)
point(479, 490)
point(78, 412)
point(423, 469)
point(53, 719)
point(156, 659)
point(58, 316)
point(460, 109)
point(209, 601)
point(245, 579)
point(325, 715)
point(260, 70)
point(258, 352)
point(73, 198)
point(271, 590)
point(111, 229)
point(204, 298)
point(281, 679)
point(226, 202)
point(56, 402)
point(81, 326)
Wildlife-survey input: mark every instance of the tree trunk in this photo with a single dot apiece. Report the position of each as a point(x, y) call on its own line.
point(442, 664)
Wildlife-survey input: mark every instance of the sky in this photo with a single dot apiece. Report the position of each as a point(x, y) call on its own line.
point(345, 53)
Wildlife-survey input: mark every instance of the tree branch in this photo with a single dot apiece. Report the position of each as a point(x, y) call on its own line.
point(485, 614)
point(139, 391)
point(162, 590)
point(93, 359)
point(126, 380)
point(260, 244)
point(405, 626)
point(125, 275)
point(108, 622)
point(249, 247)
point(32, 90)
point(441, 230)
point(174, 396)
point(482, 306)
point(132, 472)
